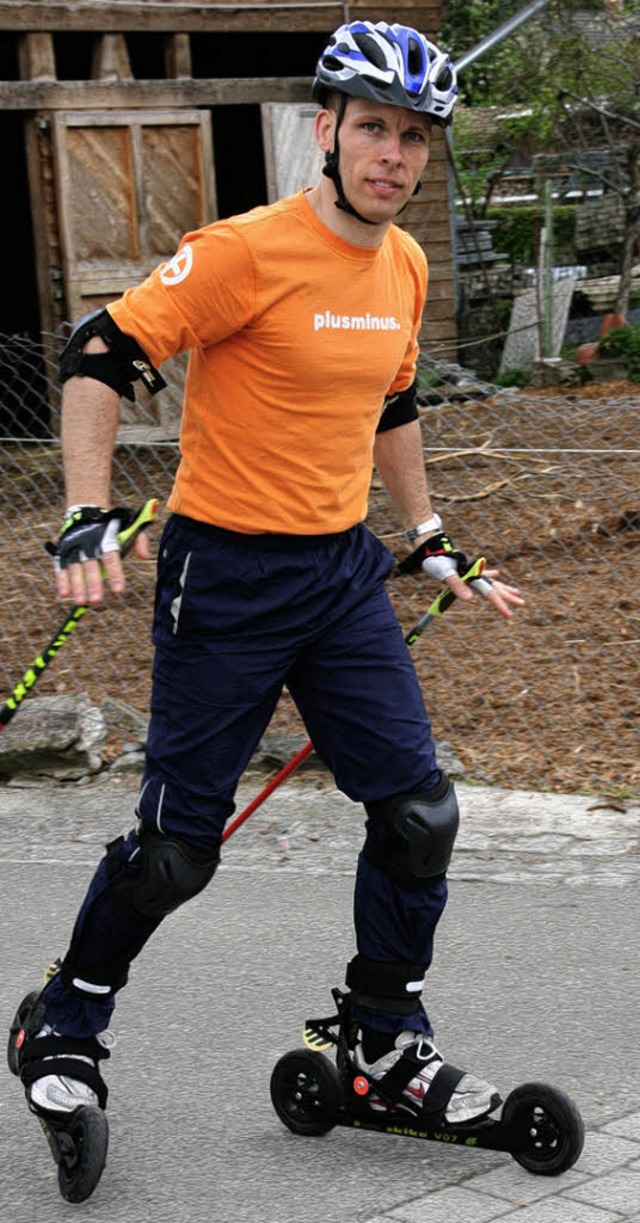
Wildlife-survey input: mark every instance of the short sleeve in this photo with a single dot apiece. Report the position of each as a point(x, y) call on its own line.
point(205, 293)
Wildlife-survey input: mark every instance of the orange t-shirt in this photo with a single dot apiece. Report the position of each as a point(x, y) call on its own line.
point(296, 337)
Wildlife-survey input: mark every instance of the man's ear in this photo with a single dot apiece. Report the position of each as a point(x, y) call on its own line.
point(325, 126)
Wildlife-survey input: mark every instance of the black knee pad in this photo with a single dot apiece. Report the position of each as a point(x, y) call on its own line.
point(411, 836)
point(169, 873)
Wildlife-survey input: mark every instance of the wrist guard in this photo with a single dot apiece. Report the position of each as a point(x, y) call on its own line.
point(436, 556)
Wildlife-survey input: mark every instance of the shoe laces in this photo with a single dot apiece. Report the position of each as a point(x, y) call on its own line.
point(425, 1049)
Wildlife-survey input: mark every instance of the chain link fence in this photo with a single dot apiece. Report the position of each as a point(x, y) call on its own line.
point(543, 482)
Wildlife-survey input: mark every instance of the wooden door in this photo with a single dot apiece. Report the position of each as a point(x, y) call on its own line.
point(129, 184)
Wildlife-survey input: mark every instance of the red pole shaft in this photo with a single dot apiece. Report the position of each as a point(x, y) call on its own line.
point(291, 767)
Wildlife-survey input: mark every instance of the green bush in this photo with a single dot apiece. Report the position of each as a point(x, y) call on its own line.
point(623, 342)
point(513, 377)
point(517, 226)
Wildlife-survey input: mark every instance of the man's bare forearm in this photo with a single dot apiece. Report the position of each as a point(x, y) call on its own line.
point(399, 459)
point(90, 416)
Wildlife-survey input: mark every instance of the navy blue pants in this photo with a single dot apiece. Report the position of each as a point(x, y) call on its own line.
point(236, 618)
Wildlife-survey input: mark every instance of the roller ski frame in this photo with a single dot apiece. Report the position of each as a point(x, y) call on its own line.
point(78, 1140)
point(539, 1126)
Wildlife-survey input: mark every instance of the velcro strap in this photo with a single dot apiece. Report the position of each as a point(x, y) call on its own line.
point(83, 1072)
point(407, 1067)
point(381, 986)
point(439, 1090)
point(35, 1051)
point(114, 975)
point(102, 367)
point(51, 1046)
point(435, 545)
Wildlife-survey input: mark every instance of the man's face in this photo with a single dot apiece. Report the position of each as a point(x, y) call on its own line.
point(383, 152)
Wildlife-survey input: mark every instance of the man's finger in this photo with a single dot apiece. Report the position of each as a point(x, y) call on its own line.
point(460, 589)
point(505, 599)
point(141, 548)
point(84, 583)
point(113, 571)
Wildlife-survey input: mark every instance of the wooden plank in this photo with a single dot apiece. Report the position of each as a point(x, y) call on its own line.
point(127, 95)
point(430, 234)
point(157, 17)
point(442, 328)
point(177, 56)
point(439, 342)
point(438, 308)
point(164, 16)
point(39, 218)
point(36, 57)
point(439, 291)
point(111, 59)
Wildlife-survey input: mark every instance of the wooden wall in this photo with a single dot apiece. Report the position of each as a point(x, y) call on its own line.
point(41, 96)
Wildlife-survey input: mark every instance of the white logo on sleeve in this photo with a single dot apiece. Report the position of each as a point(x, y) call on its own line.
point(178, 268)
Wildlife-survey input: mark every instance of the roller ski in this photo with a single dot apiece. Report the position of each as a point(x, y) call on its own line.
point(64, 1089)
point(412, 1092)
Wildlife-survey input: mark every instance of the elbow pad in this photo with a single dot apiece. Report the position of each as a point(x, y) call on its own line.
point(119, 367)
point(399, 409)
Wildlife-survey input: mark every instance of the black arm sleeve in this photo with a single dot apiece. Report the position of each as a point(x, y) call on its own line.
point(399, 410)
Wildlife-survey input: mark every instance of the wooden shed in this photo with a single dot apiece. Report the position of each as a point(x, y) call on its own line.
point(124, 124)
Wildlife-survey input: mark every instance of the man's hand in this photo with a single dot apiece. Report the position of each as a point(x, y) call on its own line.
point(89, 547)
point(502, 597)
point(438, 558)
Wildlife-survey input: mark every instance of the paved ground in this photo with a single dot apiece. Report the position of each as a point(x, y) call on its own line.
point(537, 977)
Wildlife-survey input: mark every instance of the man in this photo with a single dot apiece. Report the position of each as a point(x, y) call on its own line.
point(302, 322)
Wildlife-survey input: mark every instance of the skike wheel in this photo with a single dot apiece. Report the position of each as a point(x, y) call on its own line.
point(547, 1127)
point(83, 1149)
point(305, 1092)
point(22, 1014)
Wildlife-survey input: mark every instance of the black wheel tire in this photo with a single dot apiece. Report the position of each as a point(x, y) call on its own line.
point(84, 1146)
point(547, 1126)
point(13, 1055)
point(306, 1092)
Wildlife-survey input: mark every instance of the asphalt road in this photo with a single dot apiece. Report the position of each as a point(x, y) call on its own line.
point(533, 979)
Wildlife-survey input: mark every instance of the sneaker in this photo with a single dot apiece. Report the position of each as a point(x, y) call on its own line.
point(58, 1092)
point(471, 1099)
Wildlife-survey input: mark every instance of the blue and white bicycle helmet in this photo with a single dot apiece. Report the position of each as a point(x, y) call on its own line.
point(388, 63)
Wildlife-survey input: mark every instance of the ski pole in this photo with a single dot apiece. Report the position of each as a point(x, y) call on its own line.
point(440, 604)
point(126, 538)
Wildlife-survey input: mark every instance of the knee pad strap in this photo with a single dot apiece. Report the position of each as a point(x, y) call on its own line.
point(105, 979)
point(385, 987)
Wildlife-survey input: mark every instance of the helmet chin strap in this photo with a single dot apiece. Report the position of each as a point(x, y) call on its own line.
point(332, 171)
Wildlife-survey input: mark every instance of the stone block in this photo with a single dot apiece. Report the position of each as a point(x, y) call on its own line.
point(59, 736)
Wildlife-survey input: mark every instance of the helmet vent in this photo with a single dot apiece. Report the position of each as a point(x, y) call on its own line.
point(415, 58)
point(370, 50)
point(444, 79)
